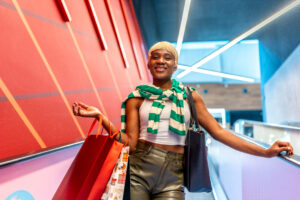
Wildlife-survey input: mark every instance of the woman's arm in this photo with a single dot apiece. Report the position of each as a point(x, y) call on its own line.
point(132, 120)
point(226, 137)
point(83, 110)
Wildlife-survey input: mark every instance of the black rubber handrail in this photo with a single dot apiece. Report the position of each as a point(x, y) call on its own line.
point(270, 124)
point(41, 152)
point(294, 159)
point(37, 154)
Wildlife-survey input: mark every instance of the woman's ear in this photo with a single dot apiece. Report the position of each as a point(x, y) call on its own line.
point(174, 68)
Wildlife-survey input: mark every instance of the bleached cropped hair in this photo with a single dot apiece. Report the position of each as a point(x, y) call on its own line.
point(164, 45)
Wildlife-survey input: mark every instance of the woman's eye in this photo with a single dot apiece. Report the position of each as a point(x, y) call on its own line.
point(155, 56)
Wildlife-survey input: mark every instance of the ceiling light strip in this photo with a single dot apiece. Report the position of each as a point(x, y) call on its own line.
point(241, 37)
point(184, 18)
point(219, 74)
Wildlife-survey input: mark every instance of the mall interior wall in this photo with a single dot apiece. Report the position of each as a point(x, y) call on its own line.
point(54, 54)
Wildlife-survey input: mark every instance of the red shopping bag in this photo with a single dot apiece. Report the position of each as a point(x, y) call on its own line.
point(91, 169)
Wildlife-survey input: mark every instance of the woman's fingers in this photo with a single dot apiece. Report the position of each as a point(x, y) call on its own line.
point(292, 149)
point(74, 105)
point(83, 105)
point(83, 110)
point(282, 144)
point(76, 109)
point(285, 146)
point(287, 149)
point(284, 149)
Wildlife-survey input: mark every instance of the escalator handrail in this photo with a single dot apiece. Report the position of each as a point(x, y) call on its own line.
point(38, 153)
point(268, 124)
point(294, 159)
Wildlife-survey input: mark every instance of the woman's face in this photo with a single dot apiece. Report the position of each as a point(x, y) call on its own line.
point(161, 64)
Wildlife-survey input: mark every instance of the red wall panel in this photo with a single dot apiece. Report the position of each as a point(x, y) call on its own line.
point(71, 60)
point(14, 134)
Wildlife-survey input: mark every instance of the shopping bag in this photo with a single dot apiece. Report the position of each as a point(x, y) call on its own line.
point(196, 171)
point(114, 189)
point(91, 169)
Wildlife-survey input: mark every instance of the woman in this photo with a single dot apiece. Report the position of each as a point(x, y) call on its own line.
point(156, 119)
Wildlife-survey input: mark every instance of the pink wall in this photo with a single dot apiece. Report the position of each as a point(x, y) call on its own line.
point(39, 177)
point(46, 69)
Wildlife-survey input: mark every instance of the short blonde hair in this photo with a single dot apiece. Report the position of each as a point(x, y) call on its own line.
point(164, 45)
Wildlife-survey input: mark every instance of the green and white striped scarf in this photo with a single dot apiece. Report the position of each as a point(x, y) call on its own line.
point(176, 94)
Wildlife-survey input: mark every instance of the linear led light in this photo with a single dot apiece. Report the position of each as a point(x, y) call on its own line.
point(203, 45)
point(184, 18)
point(220, 74)
point(212, 44)
point(240, 37)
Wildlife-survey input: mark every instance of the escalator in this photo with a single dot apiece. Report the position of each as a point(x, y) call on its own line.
point(234, 175)
point(244, 176)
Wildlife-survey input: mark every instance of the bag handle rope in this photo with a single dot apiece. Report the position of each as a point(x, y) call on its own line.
point(111, 135)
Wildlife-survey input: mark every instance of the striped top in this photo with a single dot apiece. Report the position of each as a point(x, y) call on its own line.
point(176, 94)
point(164, 135)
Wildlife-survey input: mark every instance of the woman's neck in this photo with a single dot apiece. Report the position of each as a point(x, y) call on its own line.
point(164, 85)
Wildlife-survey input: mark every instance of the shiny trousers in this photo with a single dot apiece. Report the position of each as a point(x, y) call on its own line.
point(155, 174)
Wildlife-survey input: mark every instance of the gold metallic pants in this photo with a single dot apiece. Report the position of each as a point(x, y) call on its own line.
point(155, 174)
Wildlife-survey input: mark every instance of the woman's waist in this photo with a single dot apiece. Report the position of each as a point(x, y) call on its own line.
point(163, 137)
point(171, 148)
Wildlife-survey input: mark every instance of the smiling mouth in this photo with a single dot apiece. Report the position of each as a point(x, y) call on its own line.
point(160, 68)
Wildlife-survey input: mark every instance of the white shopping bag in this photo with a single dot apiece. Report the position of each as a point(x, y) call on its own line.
point(115, 187)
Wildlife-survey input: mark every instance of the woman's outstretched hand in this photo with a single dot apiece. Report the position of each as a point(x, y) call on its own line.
point(279, 146)
point(83, 110)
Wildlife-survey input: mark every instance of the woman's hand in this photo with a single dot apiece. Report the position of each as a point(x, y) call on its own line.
point(83, 110)
point(279, 146)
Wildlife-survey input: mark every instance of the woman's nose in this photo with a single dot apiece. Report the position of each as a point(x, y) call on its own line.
point(161, 60)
